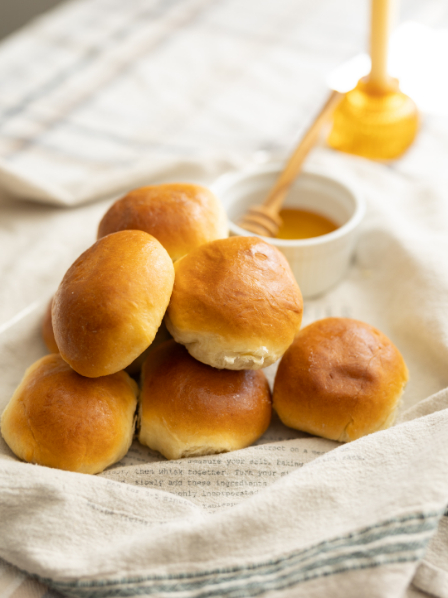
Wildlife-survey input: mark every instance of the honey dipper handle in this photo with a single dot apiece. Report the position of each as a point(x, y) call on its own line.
point(381, 21)
point(276, 196)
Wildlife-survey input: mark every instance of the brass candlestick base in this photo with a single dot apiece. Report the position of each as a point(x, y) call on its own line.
point(373, 123)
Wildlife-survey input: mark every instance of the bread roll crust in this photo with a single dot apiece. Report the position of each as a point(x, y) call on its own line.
point(340, 379)
point(162, 335)
point(181, 216)
point(133, 369)
point(235, 303)
point(111, 302)
point(47, 330)
point(60, 419)
point(188, 408)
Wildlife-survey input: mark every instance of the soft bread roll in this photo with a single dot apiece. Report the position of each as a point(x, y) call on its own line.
point(111, 302)
point(133, 369)
point(60, 419)
point(340, 379)
point(189, 409)
point(181, 216)
point(47, 330)
point(235, 304)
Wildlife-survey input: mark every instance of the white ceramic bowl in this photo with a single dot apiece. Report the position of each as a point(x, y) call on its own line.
point(317, 263)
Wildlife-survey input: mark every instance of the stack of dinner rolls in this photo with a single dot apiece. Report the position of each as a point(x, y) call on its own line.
point(200, 330)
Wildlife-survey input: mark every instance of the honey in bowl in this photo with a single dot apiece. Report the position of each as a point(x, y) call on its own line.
point(302, 224)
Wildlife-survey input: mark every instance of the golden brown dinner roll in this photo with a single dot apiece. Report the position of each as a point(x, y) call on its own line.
point(189, 409)
point(181, 216)
point(111, 302)
point(60, 419)
point(132, 369)
point(235, 304)
point(47, 330)
point(340, 379)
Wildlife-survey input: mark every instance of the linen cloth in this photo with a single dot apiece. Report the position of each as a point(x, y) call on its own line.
point(293, 515)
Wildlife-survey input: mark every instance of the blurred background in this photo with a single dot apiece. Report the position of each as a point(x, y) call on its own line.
point(98, 96)
point(17, 13)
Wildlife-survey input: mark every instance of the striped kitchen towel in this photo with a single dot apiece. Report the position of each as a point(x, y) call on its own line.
point(101, 96)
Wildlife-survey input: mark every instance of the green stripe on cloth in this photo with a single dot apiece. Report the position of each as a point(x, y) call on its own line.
point(373, 546)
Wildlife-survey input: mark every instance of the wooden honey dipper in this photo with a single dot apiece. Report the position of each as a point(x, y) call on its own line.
point(264, 219)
